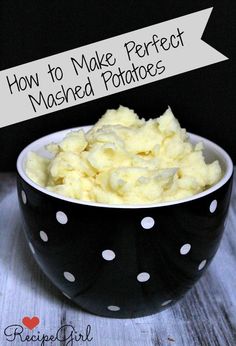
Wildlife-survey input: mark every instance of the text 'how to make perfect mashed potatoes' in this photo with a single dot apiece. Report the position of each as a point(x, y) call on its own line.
point(125, 160)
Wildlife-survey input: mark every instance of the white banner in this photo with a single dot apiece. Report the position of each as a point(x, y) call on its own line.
point(105, 67)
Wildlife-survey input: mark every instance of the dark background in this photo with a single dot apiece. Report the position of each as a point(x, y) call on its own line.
point(203, 100)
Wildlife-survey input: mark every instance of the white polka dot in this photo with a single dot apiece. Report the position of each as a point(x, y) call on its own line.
point(31, 248)
point(147, 222)
point(166, 302)
point(66, 295)
point(68, 276)
point(43, 236)
point(213, 206)
point(108, 255)
point(23, 196)
point(143, 277)
point(202, 265)
point(61, 217)
point(185, 249)
point(113, 308)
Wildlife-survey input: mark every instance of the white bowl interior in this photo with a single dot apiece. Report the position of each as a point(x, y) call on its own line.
point(211, 152)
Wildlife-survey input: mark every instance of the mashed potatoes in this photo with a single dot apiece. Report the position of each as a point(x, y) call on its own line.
point(124, 159)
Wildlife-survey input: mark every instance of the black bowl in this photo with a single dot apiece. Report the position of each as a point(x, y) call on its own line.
point(123, 261)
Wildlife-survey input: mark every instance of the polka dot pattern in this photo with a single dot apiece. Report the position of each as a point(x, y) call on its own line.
point(108, 255)
point(61, 217)
point(43, 235)
point(184, 250)
point(143, 277)
point(113, 308)
point(147, 222)
point(213, 206)
point(68, 276)
point(23, 196)
point(202, 264)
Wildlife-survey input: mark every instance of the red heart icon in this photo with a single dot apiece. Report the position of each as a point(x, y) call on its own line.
point(30, 323)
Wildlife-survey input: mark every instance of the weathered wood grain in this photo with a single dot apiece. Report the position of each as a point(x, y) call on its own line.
point(205, 316)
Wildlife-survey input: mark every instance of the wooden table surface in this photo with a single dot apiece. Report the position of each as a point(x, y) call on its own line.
point(205, 316)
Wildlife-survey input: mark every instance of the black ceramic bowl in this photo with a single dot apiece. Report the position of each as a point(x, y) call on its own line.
point(123, 261)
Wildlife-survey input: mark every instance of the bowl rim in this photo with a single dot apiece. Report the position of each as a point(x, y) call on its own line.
point(220, 151)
